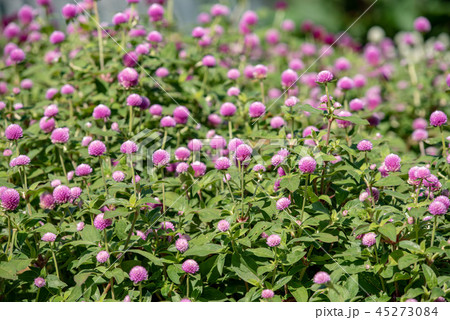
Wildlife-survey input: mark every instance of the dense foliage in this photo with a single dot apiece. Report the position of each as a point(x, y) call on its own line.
point(243, 162)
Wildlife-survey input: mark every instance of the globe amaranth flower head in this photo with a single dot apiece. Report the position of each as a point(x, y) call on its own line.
point(277, 122)
point(21, 160)
point(392, 162)
point(199, 168)
point(96, 148)
point(100, 223)
point(160, 158)
point(222, 163)
point(62, 194)
point(438, 118)
point(182, 167)
point(39, 282)
point(118, 176)
point(259, 167)
point(267, 294)
point(369, 239)
point(324, 76)
point(364, 145)
point(321, 277)
point(445, 200)
point(223, 225)
point(101, 112)
point(273, 240)
point(243, 152)
point(138, 274)
point(283, 203)
point(134, 100)
point(13, 132)
point(10, 199)
point(155, 12)
point(181, 114)
point(128, 78)
point(209, 61)
point(345, 83)
point(422, 24)
point(167, 122)
point(288, 78)
point(190, 266)
point(69, 11)
point(49, 237)
point(182, 154)
point(181, 245)
point(67, 89)
point(60, 135)
point(307, 164)
point(83, 170)
point(437, 208)
point(227, 109)
point(46, 201)
point(256, 109)
point(195, 145)
point(128, 147)
point(102, 256)
point(80, 226)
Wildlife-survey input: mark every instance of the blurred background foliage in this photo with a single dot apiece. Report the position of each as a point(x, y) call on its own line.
point(334, 15)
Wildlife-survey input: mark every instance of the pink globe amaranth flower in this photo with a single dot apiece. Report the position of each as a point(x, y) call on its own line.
point(392, 162)
point(67, 89)
point(288, 78)
point(155, 12)
point(437, 208)
point(128, 147)
point(195, 145)
point(49, 237)
point(51, 111)
point(438, 118)
point(47, 201)
point(85, 141)
point(155, 110)
point(218, 142)
point(445, 200)
point(277, 160)
point(222, 163)
point(80, 226)
point(273, 240)
point(128, 78)
point(39, 282)
point(199, 168)
point(369, 239)
point(259, 167)
point(223, 226)
point(182, 167)
point(227, 109)
point(249, 18)
point(182, 154)
point(21, 160)
point(234, 143)
point(26, 84)
point(119, 18)
point(138, 274)
point(356, 104)
point(167, 225)
point(7, 152)
point(101, 112)
point(267, 294)
point(256, 109)
point(50, 94)
point(419, 135)
point(100, 223)
point(190, 266)
point(102, 256)
point(219, 10)
point(364, 145)
point(283, 204)
point(160, 158)
point(60, 135)
point(243, 152)
point(134, 100)
point(343, 123)
point(277, 122)
point(214, 119)
point(181, 245)
point(272, 36)
point(17, 55)
point(342, 64)
point(345, 83)
point(260, 71)
point(181, 114)
point(291, 101)
point(422, 24)
point(321, 277)
point(118, 176)
point(162, 72)
point(233, 74)
point(155, 37)
point(209, 61)
point(55, 183)
point(10, 199)
point(13, 132)
point(26, 15)
point(233, 92)
point(62, 194)
point(70, 175)
point(324, 76)
point(96, 148)
point(422, 173)
point(75, 193)
point(411, 300)
point(198, 32)
point(69, 11)
point(167, 122)
point(307, 165)
point(57, 37)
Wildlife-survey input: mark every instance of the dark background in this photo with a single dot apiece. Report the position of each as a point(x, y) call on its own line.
point(335, 15)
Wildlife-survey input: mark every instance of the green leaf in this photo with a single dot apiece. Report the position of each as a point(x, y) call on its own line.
point(325, 237)
point(430, 276)
point(300, 294)
point(290, 183)
point(262, 252)
point(119, 212)
point(411, 246)
point(174, 272)
point(389, 181)
point(149, 256)
point(406, 261)
point(203, 250)
point(388, 230)
point(90, 233)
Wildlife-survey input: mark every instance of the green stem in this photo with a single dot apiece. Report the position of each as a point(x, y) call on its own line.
point(37, 294)
point(241, 169)
point(434, 231)
point(229, 187)
point(304, 197)
point(230, 130)
point(133, 177)
point(130, 123)
point(99, 36)
point(164, 139)
point(163, 191)
point(140, 291)
point(54, 260)
point(261, 84)
point(106, 240)
point(187, 285)
point(62, 162)
point(131, 232)
point(103, 175)
point(444, 152)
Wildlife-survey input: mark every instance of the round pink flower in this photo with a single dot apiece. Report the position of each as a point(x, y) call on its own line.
point(39, 282)
point(102, 256)
point(223, 225)
point(190, 266)
point(209, 61)
point(62, 194)
point(83, 170)
point(199, 168)
point(419, 135)
point(69, 11)
point(273, 240)
point(218, 142)
point(80, 226)
point(256, 109)
point(259, 167)
point(277, 122)
point(267, 294)
point(222, 163)
point(67, 89)
point(167, 121)
point(138, 274)
point(324, 76)
point(182, 154)
point(57, 37)
point(128, 78)
point(128, 147)
point(160, 158)
point(13, 132)
point(356, 104)
point(438, 118)
point(364, 145)
point(10, 199)
point(445, 200)
point(85, 141)
point(422, 24)
point(101, 112)
point(47, 201)
point(392, 162)
point(181, 114)
point(321, 277)
point(17, 55)
point(118, 176)
point(227, 109)
point(47, 124)
point(60, 135)
point(96, 148)
point(243, 152)
point(369, 239)
point(101, 223)
point(49, 237)
point(182, 167)
point(437, 208)
point(181, 245)
point(288, 78)
point(283, 203)
point(155, 12)
point(195, 145)
point(233, 74)
point(307, 165)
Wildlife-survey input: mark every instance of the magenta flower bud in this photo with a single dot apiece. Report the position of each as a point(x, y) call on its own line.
point(259, 71)
point(250, 18)
point(62, 194)
point(57, 37)
point(324, 76)
point(80, 226)
point(445, 200)
point(364, 145)
point(267, 294)
point(10, 199)
point(154, 36)
point(343, 123)
point(342, 64)
point(7, 153)
point(162, 72)
point(13, 132)
point(51, 111)
point(283, 204)
point(233, 74)
point(100, 223)
point(21, 160)
point(369, 239)
point(438, 118)
point(277, 122)
point(195, 145)
point(69, 11)
point(214, 119)
point(49, 237)
point(209, 61)
point(218, 142)
point(85, 141)
point(182, 154)
point(101, 112)
point(234, 143)
point(25, 15)
point(321, 277)
point(182, 167)
point(291, 101)
point(96, 148)
point(420, 123)
point(26, 84)
point(181, 114)
point(273, 240)
point(102, 256)
point(198, 32)
point(199, 168)
point(120, 18)
point(46, 201)
point(155, 110)
point(259, 168)
point(392, 162)
point(190, 266)
point(422, 24)
point(39, 282)
point(222, 163)
point(118, 176)
point(128, 147)
point(17, 55)
point(356, 104)
point(345, 83)
point(60, 135)
point(360, 80)
point(243, 152)
point(67, 89)
point(51, 93)
point(223, 226)
point(128, 78)
point(138, 274)
point(181, 245)
point(83, 170)
point(307, 165)
point(272, 37)
point(277, 160)
point(155, 12)
point(167, 122)
point(160, 158)
point(227, 109)
point(288, 78)
point(437, 208)
point(256, 109)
